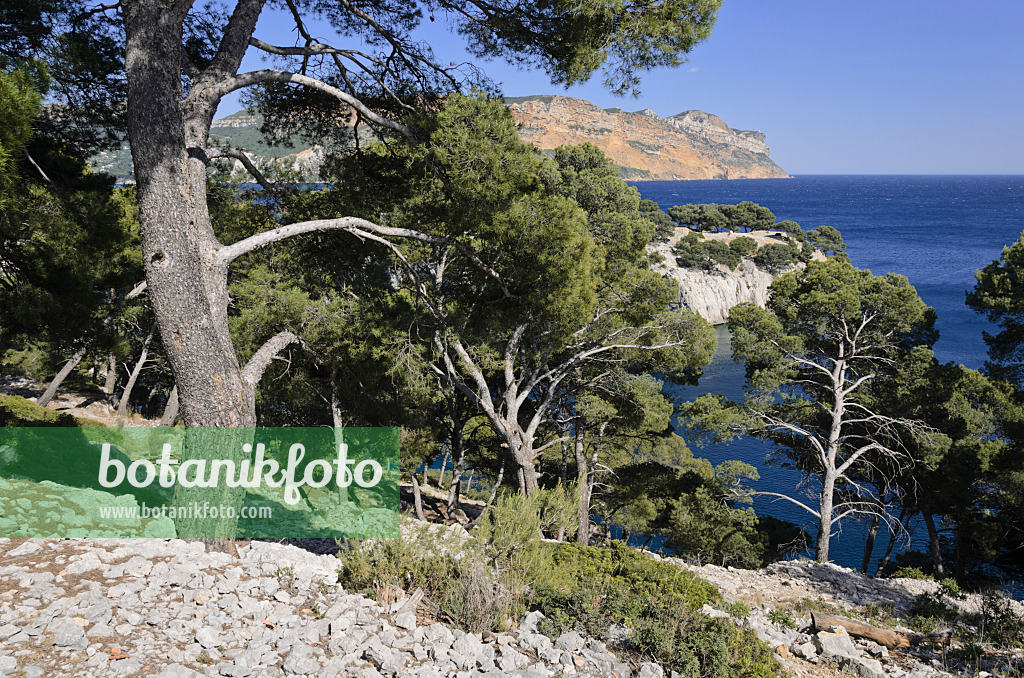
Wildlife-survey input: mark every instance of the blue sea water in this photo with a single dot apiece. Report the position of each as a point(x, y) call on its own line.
point(936, 230)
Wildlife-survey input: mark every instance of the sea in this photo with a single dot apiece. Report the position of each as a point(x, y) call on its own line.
point(935, 230)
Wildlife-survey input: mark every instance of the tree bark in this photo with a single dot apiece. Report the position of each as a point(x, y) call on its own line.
point(51, 390)
point(171, 409)
point(869, 545)
point(582, 472)
point(187, 282)
point(122, 408)
point(110, 382)
point(825, 517)
point(417, 498)
point(934, 548)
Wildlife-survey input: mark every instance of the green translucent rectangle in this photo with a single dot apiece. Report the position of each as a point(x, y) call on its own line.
point(199, 482)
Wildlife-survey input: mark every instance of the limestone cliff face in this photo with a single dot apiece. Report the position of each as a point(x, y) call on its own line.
point(689, 145)
point(713, 294)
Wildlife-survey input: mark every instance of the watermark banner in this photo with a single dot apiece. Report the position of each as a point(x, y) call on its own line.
point(199, 482)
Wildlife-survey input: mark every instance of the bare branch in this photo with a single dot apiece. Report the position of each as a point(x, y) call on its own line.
point(137, 290)
point(251, 78)
point(353, 225)
point(224, 152)
point(802, 505)
point(259, 361)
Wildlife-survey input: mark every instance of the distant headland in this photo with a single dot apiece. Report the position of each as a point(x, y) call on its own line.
point(689, 145)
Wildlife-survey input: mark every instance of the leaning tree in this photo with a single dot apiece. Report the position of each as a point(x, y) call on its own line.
point(179, 66)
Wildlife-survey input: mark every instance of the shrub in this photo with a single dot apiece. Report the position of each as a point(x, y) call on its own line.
point(18, 411)
point(743, 245)
point(775, 257)
point(909, 573)
point(782, 618)
point(659, 603)
point(493, 580)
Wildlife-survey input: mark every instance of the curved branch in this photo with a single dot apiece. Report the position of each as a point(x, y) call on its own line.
point(787, 498)
point(251, 78)
point(356, 226)
point(260, 360)
point(220, 152)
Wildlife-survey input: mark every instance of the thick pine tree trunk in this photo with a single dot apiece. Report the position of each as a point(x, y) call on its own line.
point(51, 390)
point(186, 283)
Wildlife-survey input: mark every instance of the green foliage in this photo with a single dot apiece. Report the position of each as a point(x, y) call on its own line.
point(792, 228)
point(63, 244)
point(782, 618)
point(693, 252)
point(909, 573)
point(743, 246)
point(658, 603)
point(964, 467)
point(747, 216)
point(664, 227)
point(998, 294)
point(18, 411)
point(74, 57)
point(827, 239)
point(496, 576)
point(775, 258)
point(744, 217)
point(570, 41)
point(705, 217)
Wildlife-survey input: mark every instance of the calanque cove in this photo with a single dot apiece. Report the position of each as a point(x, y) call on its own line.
point(332, 346)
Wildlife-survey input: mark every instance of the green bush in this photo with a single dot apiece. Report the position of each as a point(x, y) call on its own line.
point(18, 411)
point(508, 569)
point(782, 618)
point(774, 257)
point(909, 573)
point(743, 245)
point(659, 603)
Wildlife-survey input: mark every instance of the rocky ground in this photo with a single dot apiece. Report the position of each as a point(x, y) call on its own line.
point(168, 608)
point(795, 587)
point(149, 607)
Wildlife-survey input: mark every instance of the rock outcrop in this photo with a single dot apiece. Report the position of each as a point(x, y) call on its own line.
point(689, 145)
point(712, 294)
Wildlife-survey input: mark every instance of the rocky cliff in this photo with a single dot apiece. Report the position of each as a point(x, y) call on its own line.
point(712, 294)
point(689, 145)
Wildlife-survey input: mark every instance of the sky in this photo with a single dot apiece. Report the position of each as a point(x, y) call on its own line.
point(868, 87)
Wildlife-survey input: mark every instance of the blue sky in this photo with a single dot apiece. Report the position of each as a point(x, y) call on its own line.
point(870, 87)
